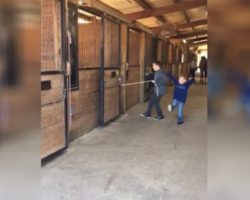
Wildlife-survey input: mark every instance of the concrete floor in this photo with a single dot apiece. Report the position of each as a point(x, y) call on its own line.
point(136, 159)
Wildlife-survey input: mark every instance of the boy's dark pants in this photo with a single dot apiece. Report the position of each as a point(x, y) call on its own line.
point(154, 101)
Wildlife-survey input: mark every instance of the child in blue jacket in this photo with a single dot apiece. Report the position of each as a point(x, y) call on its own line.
point(179, 95)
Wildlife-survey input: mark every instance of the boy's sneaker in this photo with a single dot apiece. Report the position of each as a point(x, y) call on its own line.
point(170, 108)
point(145, 116)
point(180, 122)
point(158, 118)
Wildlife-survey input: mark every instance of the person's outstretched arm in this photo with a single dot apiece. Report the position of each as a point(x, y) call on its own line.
point(189, 82)
point(174, 80)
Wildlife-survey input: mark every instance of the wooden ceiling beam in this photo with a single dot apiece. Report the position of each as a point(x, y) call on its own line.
point(147, 6)
point(143, 4)
point(103, 8)
point(184, 14)
point(167, 9)
point(194, 23)
point(187, 25)
point(188, 20)
point(187, 35)
point(198, 39)
point(200, 43)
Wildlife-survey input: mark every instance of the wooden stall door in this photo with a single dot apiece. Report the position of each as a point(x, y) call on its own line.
point(85, 99)
point(150, 55)
point(133, 71)
point(111, 70)
point(53, 118)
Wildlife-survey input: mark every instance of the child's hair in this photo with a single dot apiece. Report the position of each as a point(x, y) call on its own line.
point(183, 76)
point(157, 62)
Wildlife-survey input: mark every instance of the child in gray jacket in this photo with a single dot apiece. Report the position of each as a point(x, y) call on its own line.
point(160, 82)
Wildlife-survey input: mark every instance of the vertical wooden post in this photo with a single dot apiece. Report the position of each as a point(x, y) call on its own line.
point(142, 64)
point(65, 60)
point(186, 60)
point(159, 50)
point(101, 79)
point(124, 60)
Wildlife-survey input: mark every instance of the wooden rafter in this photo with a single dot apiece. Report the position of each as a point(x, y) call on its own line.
point(200, 43)
point(147, 6)
point(95, 4)
point(184, 13)
point(187, 25)
point(167, 9)
point(198, 39)
point(194, 23)
point(187, 35)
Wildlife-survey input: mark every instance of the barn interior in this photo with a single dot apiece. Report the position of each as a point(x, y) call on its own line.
point(95, 58)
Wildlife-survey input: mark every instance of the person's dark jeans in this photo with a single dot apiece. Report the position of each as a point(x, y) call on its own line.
point(154, 101)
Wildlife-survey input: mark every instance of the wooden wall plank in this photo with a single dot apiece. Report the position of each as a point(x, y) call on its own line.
point(142, 64)
point(111, 44)
point(50, 36)
point(89, 44)
point(52, 128)
point(124, 66)
point(84, 104)
point(132, 92)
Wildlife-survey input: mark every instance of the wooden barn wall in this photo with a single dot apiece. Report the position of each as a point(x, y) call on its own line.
point(185, 63)
point(112, 92)
point(111, 44)
point(164, 56)
point(84, 109)
point(89, 36)
point(111, 72)
point(52, 99)
point(174, 68)
point(51, 36)
point(134, 48)
point(52, 116)
point(133, 72)
point(148, 52)
point(179, 60)
point(84, 104)
point(170, 54)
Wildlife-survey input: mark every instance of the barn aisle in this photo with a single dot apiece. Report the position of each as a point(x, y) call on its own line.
point(136, 159)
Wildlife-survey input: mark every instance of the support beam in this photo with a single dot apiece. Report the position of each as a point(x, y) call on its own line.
point(188, 20)
point(159, 50)
point(198, 39)
point(124, 56)
point(193, 24)
point(185, 64)
point(167, 9)
point(187, 35)
point(103, 8)
point(147, 6)
point(95, 4)
point(186, 25)
point(142, 64)
point(184, 14)
point(200, 43)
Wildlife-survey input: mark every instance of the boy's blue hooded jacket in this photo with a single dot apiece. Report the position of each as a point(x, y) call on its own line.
point(181, 90)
